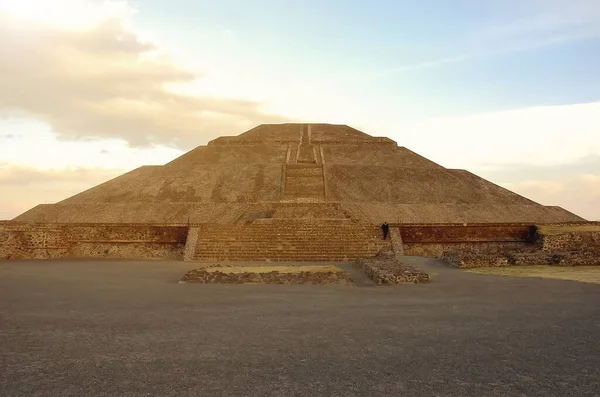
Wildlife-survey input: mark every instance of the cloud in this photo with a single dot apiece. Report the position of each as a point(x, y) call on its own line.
point(25, 187)
point(11, 175)
point(514, 172)
point(37, 147)
point(102, 80)
point(423, 65)
point(550, 154)
point(536, 136)
point(574, 186)
point(579, 193)
point(541, 187)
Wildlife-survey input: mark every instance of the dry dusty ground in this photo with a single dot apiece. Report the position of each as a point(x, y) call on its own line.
point(586, 274)
point(127, 328)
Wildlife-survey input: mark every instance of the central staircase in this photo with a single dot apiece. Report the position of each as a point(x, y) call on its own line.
point(304, 182)
point(288, 240)
point(304, 177)
point(301, 227)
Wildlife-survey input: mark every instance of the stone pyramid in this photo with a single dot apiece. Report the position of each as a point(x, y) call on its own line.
point(298, 171)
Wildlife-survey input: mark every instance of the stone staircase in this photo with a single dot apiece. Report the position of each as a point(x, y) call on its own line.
point(300, 227)
point(289, 240)
point(304, 181)
point(304, 178)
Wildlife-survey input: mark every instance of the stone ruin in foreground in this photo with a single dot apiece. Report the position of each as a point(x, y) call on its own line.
point(285, 192)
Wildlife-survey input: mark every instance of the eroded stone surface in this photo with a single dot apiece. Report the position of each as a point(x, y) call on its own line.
point(224, 276)
point(388, 270)
point(371, 178)
point(47, 241)
point(287, 192)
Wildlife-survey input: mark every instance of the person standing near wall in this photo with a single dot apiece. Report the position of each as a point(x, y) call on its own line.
point(386, 229)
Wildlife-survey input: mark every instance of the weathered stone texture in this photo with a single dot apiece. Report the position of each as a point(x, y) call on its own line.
point(434, 240)
point(288, 192)
point(562, 245)
point(388, 270)
point(469, 260)
point(570, 241)
point(396, 241)
point(290, 240)
point(273, 277)
point(371, 178)
point(574, 258)
point(436, 250)
point(35, 241)
point(461, 233)
point(466, 260)
point(190, 243)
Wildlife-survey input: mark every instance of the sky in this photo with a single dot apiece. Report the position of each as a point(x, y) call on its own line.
point(507, 89)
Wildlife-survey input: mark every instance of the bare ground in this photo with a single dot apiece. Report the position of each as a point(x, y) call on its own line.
point(126, 328)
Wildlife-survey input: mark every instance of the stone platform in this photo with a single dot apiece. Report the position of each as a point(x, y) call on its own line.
point(236, 274)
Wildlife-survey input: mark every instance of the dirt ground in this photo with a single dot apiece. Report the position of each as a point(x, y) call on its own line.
point(127, 328)
point(586, 274)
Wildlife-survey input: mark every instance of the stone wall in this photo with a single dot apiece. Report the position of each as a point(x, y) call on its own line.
point(389, 270)
point(396, 241)
point(43, 241)
point(434, 240)
point(190, 243)
point(289, 238)
point(467, 260)
point(555, 245)
point(460, 233)
point(435, 250)
point(570, 241)
point(223, 276)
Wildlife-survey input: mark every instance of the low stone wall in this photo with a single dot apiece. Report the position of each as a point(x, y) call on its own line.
point(396, 241)
point(574, 258)
point(464, 233)
point(44, 241)
point(493, 245)
point(434, 240)
point(387, 270)
point(529, 258)
point(436, 250)
point(190, 243)
point(466, 260)
point(570, 241)
point(273, 277)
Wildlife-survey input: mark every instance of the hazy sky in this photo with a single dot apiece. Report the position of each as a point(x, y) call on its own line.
point(508, 89)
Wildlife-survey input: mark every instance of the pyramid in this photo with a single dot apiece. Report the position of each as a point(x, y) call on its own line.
point(298, 171)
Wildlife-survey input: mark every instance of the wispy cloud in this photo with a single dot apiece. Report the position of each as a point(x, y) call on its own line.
point(102, 80)
point(24, 187)
point(536, 136)
point(549, 23)
point(550, 154)
point(579, 193)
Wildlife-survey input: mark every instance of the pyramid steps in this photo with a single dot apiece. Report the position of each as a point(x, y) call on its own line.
point(304, 181)
point(289, 240)
point(237, 179)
